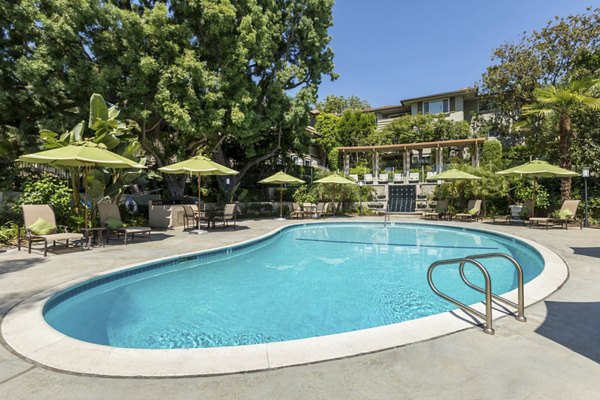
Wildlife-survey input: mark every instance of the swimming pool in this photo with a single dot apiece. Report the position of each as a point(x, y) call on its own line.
point(304, 281)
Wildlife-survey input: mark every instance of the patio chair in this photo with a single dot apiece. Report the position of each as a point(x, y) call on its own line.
point(308, 209)
point(296, 211)
point(566, 215)
point(110, 218)
point(441, 209)
point(191, 215)
point(328, 209)
point(320, 210)
point(474, 209)
point(40, 226)
point(383, 178)
point(398, 178)
point(229, 214)
point(368, 178)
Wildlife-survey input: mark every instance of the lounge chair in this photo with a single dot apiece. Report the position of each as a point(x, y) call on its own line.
point(431, 173)
point(474, 209)
point(368, 178)
point(354, 176)
point(383, 178)
point(398, 178)
point(413, 177)
point(441, 209)
point(567, 214)
point(229, 214)
point(296, 211)
point(41, 216)
point(110, 218)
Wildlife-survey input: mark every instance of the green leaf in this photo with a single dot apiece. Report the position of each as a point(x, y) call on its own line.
point(98, 109)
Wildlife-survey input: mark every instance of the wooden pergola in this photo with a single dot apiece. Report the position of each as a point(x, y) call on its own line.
point(406, 149)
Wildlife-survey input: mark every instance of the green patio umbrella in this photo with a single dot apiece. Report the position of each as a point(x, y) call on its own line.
point(453, 175)
point(535, 169)
point(199, 166)
point(281, 178)
point(335, 179)
point(86, 155)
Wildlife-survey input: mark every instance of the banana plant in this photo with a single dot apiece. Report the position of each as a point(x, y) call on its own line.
point(117, 136)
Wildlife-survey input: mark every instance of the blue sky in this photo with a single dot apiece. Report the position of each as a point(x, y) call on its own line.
point(388, 50)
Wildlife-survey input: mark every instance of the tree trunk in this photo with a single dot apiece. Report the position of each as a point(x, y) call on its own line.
point(564, 148)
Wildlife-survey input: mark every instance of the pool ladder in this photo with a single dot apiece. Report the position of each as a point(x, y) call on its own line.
point(487, 290)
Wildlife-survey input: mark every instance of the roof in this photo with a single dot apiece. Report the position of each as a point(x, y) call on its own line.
point(414, 146)
point(382, 108)
point(442, 94)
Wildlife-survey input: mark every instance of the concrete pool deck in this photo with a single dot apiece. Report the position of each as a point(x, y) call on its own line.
point(554, 355)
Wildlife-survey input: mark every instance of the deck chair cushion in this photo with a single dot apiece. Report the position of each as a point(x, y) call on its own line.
point(41, 227)
point(113, 223)
point(565, 214)
point(473, 211)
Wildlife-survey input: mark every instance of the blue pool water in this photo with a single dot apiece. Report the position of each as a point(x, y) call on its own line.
point(304, 281)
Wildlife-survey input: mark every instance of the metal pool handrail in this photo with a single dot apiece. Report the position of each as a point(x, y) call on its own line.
point(488, 290)
point(521, 295)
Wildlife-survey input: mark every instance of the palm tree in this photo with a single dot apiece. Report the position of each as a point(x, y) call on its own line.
point(561, 101)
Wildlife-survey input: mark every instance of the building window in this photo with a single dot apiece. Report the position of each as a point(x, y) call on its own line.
point(436, 107)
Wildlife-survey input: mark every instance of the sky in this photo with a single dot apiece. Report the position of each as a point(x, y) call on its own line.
point(389, 50)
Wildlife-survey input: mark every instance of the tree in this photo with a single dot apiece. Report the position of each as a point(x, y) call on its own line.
point(561, 101)
point(491, 154)
point(338, 104)
point(355, 127)
point(327, 127)
point(206, 76)
point(547, 56)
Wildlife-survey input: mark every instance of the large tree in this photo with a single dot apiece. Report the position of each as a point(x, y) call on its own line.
point(546, 56)
point(204, 76)
point(338, 104)
point(561, 102)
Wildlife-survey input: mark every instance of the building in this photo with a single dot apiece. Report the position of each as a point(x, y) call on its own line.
point(457, 105)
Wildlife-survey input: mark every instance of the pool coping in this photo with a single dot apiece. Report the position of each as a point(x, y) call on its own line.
point(26, 332)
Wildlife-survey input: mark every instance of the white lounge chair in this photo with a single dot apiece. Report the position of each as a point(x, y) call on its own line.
point(368, 178)
point(398, 178)
point(413, 177)
point(383, 178)
point(354, 176)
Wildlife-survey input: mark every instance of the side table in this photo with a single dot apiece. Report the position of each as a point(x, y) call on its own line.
point(90, 233)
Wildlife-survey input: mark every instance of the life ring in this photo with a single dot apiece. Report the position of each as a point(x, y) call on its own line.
point(131, 205)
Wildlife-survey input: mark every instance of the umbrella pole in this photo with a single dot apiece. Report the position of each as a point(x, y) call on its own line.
point(281, 202)
point(534, 195)
point(85, 188)
point(199, 212)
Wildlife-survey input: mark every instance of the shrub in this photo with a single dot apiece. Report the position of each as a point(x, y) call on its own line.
point(47, 189)
point(8, 233)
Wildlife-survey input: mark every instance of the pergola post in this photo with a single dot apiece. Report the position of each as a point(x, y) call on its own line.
point(406, 169)
point(375, 166)
point(476, 158)
point(346, 157)
point(439, 160)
